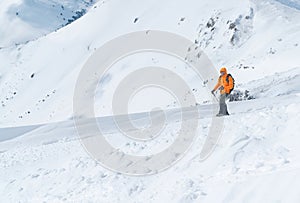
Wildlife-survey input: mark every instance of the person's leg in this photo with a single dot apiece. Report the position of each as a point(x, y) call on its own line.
point(223, 106)
point(227, 97)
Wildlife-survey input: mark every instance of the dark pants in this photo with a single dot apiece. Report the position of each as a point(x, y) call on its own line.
point(223, 106)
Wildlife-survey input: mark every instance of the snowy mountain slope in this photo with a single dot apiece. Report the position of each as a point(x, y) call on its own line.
point(255, 54)
point(257, 158)
point(253, 162)
point(25, 20)
point(291, 3)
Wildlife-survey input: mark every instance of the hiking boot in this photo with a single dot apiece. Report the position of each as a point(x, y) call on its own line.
point(220, 114)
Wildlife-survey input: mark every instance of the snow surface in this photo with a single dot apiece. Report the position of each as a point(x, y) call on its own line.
point(258, 156)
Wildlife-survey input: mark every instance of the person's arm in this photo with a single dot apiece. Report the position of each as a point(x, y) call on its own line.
point(217, 85)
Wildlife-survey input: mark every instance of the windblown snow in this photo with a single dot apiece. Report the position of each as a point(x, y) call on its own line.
point(44, 45)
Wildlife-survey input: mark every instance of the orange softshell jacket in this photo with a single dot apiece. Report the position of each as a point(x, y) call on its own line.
point(222, 82)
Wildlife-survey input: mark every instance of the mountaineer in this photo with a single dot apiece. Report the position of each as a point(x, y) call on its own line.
point(225, 85)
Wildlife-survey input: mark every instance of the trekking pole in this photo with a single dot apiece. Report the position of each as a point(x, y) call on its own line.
point(215, 96)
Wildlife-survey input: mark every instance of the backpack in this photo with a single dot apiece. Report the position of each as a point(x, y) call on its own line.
point(227, 80)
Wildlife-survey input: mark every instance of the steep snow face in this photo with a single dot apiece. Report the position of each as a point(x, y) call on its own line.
point(25, 20)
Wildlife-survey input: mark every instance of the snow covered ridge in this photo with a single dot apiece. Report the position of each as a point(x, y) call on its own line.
point(291, 3)
point(25, 20)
